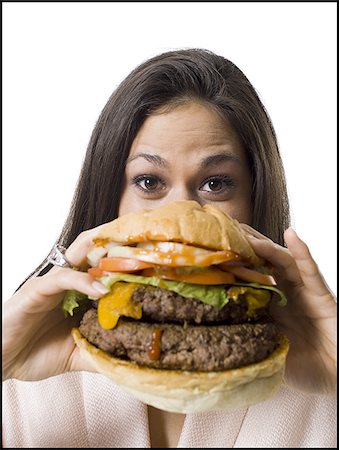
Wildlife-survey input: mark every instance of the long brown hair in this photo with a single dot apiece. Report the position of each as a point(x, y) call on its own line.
point(160, 81)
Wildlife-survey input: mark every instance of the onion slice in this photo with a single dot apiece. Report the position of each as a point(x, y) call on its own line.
point(249, 275)
point(173, 259)
point(173, 247)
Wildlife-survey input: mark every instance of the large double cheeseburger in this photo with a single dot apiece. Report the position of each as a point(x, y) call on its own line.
point(185, 326)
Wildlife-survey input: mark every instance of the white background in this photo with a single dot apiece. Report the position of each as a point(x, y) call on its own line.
point(62, 61)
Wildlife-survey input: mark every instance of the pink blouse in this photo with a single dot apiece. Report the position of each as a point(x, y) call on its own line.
point(83, 409)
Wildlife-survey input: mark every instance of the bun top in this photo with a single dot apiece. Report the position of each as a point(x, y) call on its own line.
point(182, 221)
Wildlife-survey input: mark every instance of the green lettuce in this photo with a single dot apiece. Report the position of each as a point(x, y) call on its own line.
point(72, 300)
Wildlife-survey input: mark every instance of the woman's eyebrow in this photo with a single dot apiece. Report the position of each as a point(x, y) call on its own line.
point(153, 159)
point(211, 160)
point(218, 158)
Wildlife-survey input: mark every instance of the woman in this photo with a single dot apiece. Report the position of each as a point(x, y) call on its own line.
point(183, 125)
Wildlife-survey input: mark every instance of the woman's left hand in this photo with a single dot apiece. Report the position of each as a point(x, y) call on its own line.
point(309, 319)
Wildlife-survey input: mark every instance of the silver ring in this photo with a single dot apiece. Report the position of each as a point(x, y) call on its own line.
point(57, 257)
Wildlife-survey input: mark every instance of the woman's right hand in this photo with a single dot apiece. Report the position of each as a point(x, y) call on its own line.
point(37, 343)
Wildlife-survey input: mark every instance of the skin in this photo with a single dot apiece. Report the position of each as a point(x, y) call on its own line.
point(189, 153)
point(168, 162)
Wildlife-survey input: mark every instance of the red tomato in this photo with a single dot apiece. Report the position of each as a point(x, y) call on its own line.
point(95, 272)
point(210, 276)
point(122, 265)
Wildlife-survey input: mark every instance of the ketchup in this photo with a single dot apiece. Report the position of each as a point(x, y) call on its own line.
point(154, 349)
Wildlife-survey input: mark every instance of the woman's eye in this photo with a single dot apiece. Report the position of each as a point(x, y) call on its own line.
point(148, 183)
point(217, 185)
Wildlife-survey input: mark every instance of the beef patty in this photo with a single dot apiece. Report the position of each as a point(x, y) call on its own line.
point(162, 305)
point(195, 348)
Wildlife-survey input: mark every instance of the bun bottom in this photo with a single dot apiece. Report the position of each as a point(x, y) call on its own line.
point(191, 392)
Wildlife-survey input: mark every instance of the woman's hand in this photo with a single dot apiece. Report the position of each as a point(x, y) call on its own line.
point(37, 342)
point(309, 318)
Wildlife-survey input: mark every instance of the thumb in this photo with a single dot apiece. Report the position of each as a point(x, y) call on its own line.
point(81, 359)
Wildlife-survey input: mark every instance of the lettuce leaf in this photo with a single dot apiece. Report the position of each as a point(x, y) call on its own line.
point(72, 300)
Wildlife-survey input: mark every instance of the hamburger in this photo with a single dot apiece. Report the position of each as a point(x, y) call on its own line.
point(186, 324)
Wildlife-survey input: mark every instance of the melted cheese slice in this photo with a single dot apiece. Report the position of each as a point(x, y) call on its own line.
point(256, 298)
point(118, 303)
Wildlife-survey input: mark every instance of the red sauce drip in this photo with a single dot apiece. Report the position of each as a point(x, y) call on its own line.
point(154, 349)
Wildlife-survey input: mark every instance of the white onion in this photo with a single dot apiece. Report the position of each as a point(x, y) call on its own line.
point(173, 247)
point(174, 259)
point(95, 254)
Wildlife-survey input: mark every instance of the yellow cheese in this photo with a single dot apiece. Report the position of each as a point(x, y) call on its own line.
point(256, 298)
point(118, 303)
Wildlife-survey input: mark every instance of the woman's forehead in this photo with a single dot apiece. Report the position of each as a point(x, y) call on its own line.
point(187, 127)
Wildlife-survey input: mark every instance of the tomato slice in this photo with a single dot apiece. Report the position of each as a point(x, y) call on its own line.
point(95, 272)
point(122, 265)
point(209, 276)
point(252, 276)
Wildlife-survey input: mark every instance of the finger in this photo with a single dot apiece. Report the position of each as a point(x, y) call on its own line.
point(77, 251)
point(279, 257)
point(46, 292)
point(252, 232)
point(307, 267)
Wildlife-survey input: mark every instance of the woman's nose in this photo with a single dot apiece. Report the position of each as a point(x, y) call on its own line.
point(183, 193)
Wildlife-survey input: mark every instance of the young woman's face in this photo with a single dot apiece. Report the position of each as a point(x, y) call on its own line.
point(189, 153)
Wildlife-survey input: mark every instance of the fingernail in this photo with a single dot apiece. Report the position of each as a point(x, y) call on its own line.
point(100, 287)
